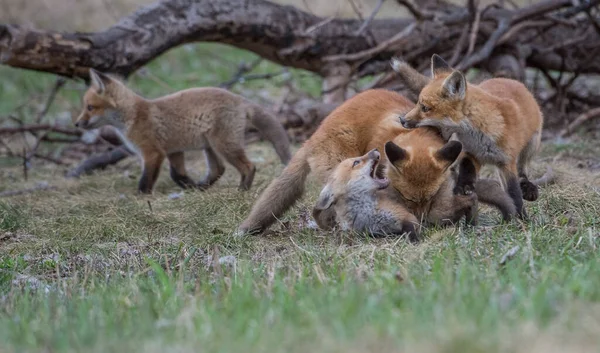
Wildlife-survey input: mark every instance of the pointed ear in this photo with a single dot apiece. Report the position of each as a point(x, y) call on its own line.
point(439, 65)
point(99, 81)
point(449, 152)
point(395, 153)
point(455, 86)
point(326, 198)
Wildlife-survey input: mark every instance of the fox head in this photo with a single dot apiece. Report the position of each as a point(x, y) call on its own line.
point(419, 168)
point(356, 175)
point(99, 102)
point(442, 99)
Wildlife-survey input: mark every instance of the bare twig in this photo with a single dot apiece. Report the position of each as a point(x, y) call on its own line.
point(60, 81)
point(370, 18)
point(375, 50)
point(459, 46)
point(243, 68)
point(486, 50)
point(474, 31)
point(414, 10)
point(40, 127)
point(581, 119)
point(318, 25)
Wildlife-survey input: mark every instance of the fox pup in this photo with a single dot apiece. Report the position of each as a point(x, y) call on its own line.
point(362, 123)
point(358, 196)
point(209, 119)
point(498, 121)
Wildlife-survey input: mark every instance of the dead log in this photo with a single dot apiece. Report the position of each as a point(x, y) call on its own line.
point(291, 37)
point(99, 161)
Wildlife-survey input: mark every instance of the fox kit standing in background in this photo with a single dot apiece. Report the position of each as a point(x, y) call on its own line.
point(498, 121)
point(211, 119)
point(358, 196)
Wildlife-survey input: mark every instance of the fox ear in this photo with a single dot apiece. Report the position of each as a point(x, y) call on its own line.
point(395, 153)
point(455, 86)
point(439, 65)
point(99, 81)
point(326, 198)
point(449, 152)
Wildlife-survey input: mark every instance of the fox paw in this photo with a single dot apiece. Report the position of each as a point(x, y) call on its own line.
point(529, 190)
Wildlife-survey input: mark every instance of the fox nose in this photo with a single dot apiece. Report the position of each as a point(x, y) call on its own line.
point(374, 154)
point(77, 124)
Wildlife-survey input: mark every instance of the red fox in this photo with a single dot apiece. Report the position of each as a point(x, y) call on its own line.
point(209, 119)
point(362, 123)
point(361, 203)
point(498, 121)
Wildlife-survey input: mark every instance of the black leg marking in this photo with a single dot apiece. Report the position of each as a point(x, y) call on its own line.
point(182, 180)
point(515, 193)
point(530, 190)
point(147, 180)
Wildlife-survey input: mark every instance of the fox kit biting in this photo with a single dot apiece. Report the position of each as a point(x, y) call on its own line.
point(209, 119)
point(361, 204)
point(498, 121)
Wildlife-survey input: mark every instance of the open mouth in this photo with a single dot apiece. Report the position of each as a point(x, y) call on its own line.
point(381, 181)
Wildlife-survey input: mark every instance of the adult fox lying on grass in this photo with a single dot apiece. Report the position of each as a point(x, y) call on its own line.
point(498, 121)
point(209, 119)
point(418, 160)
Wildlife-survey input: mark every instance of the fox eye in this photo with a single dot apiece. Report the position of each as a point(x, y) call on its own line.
point(424, 108)
point(355, 164)
point(90, 108)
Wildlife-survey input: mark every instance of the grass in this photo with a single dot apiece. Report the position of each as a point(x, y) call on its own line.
point(91, 266)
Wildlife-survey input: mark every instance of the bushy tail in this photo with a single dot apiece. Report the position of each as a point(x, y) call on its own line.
point(279, 196)
point(413, 79)
point(271, 129)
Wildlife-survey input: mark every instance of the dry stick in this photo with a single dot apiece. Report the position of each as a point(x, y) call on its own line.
point(40, 127)
point(474, 32)
point(417, 14)
point(370, 18)
point(243, 68)
point(523, 25)
point(581, 119)
point(60, 81)
point(459, 45)
point(318, 25)
point(486, 50)
point(375, 50)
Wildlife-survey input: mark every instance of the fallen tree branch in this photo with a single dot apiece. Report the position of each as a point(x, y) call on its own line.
point(99, 161)
point(39, 127)
point(287, 36)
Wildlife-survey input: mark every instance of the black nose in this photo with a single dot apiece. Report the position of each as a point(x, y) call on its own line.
point(403, 121)
point(77, 124)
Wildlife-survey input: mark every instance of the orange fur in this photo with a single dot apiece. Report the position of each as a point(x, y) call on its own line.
point(498, 122)
point(366, 121)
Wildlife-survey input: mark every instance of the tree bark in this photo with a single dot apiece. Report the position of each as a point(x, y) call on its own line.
point(539, 35)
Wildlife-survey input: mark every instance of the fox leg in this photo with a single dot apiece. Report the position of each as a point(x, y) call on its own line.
point(529, 189)
point(178, 172)
point(152, 163)
point(234, 153)
point(511, 182)
point(215, 169)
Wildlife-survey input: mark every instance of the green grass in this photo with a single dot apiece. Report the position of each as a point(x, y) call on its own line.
point(91, 266)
